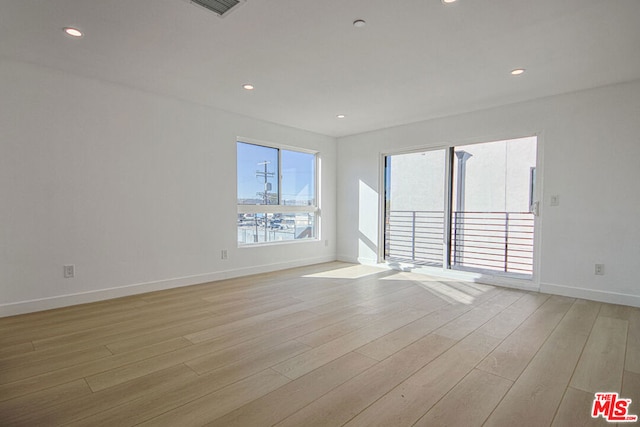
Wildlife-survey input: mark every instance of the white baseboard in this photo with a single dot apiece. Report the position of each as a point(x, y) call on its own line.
point(349, 259)
point(58, 301)
point(591, 294)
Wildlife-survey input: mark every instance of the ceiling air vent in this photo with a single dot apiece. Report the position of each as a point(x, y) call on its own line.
point(218, 6)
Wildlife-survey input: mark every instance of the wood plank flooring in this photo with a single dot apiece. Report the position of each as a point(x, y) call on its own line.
point(326, 345)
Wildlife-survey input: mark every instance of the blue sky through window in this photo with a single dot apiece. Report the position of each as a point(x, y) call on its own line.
point(298, 178)
point(298, 175)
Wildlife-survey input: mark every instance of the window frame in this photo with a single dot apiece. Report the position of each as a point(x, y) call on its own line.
point(280, 208)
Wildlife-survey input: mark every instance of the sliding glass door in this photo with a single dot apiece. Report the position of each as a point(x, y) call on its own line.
point(415, 207)
point(493, 190)
point(467, 207)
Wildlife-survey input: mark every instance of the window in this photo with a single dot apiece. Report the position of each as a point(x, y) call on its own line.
point(276, 194)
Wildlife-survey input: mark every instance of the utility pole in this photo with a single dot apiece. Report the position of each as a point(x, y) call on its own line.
point(267, 187)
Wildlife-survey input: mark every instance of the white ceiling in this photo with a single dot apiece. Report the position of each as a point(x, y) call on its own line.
point(414, 60)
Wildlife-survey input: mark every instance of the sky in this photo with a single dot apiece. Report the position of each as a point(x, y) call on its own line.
point(298, 173)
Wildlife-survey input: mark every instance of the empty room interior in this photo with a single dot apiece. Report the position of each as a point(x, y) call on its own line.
point(302, 213)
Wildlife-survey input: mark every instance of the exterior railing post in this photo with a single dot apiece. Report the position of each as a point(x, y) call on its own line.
point(456, 242)
point(413, 237)
point(506, 241)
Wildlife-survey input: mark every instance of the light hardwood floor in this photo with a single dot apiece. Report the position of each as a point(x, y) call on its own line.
point(327, 345)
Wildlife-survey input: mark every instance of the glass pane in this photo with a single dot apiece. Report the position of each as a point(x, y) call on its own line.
point(257, 175)
point(298, 178)
point(415, 200)
point(492, 227)
point(275, 227)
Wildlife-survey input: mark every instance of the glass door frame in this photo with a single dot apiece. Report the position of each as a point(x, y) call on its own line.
point(446, 269)
point(448, 149)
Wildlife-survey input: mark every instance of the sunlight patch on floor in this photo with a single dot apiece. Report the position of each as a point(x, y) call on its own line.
point(452, 291)
point(469, 287)
point(448, 293)
point(353, 272)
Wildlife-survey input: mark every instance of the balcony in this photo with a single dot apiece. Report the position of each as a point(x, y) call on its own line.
point(495, 241)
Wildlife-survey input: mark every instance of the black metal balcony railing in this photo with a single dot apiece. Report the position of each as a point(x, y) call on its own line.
point(493, 240)
point(414, 236)
point(501, 241)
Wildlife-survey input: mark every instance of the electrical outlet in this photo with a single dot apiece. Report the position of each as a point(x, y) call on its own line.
point(224, 254)
point(555, 200)
point(599, 270)
point(69, 271)
point(326, 243)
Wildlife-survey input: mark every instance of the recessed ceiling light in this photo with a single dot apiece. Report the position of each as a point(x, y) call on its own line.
point(517, 71)
point(73, 32)
point(341, 116)
point(359, 23)
point(248, 86)
point(448, 1)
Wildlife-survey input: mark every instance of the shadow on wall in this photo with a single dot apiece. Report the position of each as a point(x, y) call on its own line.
point(367, 222)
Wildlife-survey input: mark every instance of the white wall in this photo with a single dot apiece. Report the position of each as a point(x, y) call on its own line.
point(590, 151)
point(497, 175)
point(418, 181)
point(137, 190)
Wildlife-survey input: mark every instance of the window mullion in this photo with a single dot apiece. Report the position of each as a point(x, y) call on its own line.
point(279, 177)
point(448, 207)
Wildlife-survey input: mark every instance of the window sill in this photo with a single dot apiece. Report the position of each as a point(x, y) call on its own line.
point(277, 243)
